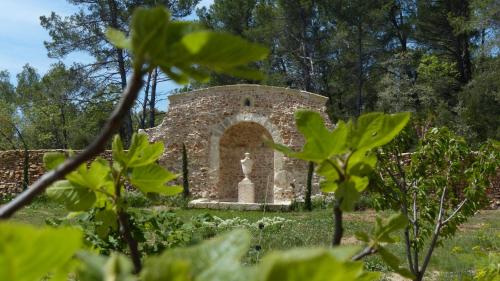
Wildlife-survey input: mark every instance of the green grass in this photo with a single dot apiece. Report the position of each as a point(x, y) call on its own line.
point(455, 257)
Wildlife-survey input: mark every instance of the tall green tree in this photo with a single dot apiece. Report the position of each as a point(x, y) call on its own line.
point(84, 31)
point(444, 27)
point(61, 109)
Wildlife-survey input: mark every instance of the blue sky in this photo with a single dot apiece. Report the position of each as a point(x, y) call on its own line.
point(21, 36)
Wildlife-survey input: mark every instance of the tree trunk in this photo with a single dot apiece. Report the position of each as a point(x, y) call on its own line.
point(126, 129)
point(310, 172)
point(64, 129)
point(145, 103)
point(185, 172)
point(152, 100)
point(360, 69)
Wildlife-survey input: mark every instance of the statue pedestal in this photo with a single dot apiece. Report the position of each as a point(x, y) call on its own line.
point(246, 191)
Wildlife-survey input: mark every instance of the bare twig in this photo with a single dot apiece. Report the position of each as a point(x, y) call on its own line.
point(366, 252)
point(97, 146)
point(459, 207)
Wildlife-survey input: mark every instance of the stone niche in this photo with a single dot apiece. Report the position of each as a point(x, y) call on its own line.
point(219, 124)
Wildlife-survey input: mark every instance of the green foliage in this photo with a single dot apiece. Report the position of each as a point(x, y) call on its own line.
point(154, 231)
point(314, 264)
point(439, 188)
point(343, 155)
point(479, 103)
point(29, 254)
point(98, 188)
point(381, 235)
point(219, 259)
point(182, 50)
point(95, 186)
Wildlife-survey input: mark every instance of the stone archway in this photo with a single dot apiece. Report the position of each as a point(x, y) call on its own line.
point(236, 140)
point(260, 125)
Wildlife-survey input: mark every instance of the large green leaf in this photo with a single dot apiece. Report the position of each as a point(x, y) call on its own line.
point(28, 253)
point(74, 197)
point(376, 129)
point(394, 262)
point(117, 267)
point(107, 220)
point(383, 229)
point(140, 153)
point(96, 177)
point(320, 142)
point(118, 38)
point(147, 32)
point(183, 51)
point(153, 178)
point(221, 51)
point(348, 191)
point(213, 260)
point(361, 163)
point(312, 264)
point(53, 159)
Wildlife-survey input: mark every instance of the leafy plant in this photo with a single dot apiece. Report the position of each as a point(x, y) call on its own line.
point(101, 185)
point(28, 253)
point(442, 185)
point(344, 156)
point(345, 159)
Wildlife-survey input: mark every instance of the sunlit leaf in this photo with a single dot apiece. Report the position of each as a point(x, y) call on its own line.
point(74, 197)
point(28, 253)
point(153, 178)
point(311, 264)
point(53, 159)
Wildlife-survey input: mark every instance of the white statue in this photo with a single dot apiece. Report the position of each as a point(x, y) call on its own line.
point(246, 188)
point(246, 165)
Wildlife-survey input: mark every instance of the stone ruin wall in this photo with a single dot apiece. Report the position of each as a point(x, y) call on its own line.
point(12, 168)
point(11, 172)
point(201, 118)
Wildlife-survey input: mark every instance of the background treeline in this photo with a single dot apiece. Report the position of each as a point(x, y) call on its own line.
point(438, 59)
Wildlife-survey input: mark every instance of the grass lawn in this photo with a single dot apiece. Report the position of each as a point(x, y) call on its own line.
point(454, 258)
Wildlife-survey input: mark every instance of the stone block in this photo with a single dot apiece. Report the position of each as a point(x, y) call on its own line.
point(246, 191)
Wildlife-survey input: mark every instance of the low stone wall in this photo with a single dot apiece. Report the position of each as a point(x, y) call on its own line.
point(12, 168)
point(12, 163)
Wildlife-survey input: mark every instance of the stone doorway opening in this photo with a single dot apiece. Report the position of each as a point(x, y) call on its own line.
point(236, 140)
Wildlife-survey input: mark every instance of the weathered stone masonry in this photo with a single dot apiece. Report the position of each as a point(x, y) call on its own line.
point(12, 168)
point(219, 124)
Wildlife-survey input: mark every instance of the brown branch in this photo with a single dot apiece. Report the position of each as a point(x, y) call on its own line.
point(97, 146)
point(131, 242)
point(366, 252)
point(338, 229)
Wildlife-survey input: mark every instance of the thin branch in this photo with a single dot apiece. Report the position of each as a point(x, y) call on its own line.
point(338, 229)
point(456, 211)
point(366, 252)
point(415, 229)
point(96, 147)
point(435, 235)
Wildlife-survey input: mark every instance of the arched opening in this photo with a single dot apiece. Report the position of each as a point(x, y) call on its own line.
point(236, 140)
